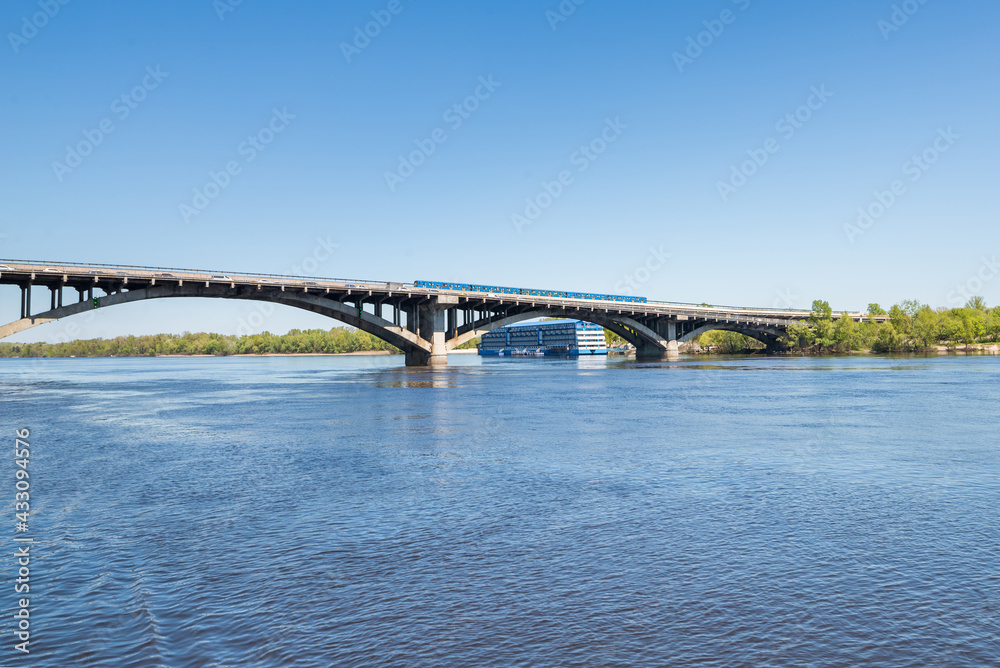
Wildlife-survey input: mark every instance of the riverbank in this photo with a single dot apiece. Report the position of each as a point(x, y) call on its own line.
point(961, 349)
point(464, 351)
point(358, 352)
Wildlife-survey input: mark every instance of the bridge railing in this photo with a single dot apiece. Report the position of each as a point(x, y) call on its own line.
point(364, 283)
point(40, 266)
point(718, 307)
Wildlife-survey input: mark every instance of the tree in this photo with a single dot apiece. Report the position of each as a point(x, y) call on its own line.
point(976, 303)
point(845, 334)
point(729, 342)
point(992, 324)
point(973, 324)
point(901, 321)
point(888, 339)
point(798, 336)
point(910, 307)
point(822, 321)
point(926, 326)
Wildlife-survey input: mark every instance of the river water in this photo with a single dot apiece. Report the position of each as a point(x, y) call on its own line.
point(348, 511)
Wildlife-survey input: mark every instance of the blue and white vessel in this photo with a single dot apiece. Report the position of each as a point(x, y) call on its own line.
point(545, 337)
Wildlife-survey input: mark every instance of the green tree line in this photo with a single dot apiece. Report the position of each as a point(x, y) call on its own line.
point(336, 340)
point(911, 326)
point(728, 343)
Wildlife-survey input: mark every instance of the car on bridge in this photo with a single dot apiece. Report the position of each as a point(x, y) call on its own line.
point(4, 267)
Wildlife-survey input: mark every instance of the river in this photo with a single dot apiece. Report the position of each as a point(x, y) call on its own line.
point(348, 511)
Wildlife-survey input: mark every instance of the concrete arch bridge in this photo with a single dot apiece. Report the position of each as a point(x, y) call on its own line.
point(424, 323)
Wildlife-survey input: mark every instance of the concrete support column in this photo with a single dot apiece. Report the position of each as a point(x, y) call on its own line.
point(671, 337)
point(417, 358)
point(52, 297)
point(27, 302)
point(433, 329)
point(666, 329)
point(24, 308)
point(433, 323)
point(648, 350)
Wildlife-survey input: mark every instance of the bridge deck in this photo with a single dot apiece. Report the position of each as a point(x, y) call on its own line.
point(423, 322)
point(116, 277)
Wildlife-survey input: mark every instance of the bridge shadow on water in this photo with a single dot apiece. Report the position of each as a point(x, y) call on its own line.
point(443, 377)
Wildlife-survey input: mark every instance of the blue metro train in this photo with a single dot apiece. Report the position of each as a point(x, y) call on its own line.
point(495, 289)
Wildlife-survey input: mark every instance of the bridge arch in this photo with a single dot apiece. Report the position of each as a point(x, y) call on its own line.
point(769, 336)
point(639, 335)
point(395, 335)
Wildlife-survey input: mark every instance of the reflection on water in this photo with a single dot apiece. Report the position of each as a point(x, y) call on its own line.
point(325, 511)
point(418, 377)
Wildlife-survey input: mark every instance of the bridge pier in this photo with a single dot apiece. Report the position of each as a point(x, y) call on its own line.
point(432, 325)
point(667, 348)
point(418, 358)
point(649, 352)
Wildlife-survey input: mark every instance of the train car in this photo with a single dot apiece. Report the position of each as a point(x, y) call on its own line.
point(496, 289)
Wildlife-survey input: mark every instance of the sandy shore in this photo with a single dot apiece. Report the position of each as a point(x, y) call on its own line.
point(979, 349)
point(360, 352)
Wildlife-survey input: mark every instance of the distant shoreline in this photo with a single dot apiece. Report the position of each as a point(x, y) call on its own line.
point(464, 351)
point(358, 352)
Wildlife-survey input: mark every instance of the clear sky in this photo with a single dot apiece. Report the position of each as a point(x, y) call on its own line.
point(689, 151)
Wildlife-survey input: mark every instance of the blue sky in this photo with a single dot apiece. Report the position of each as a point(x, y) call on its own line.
point(646, 141)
